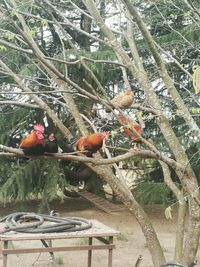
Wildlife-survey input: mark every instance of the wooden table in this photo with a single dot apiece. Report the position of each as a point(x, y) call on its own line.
point(98, 231)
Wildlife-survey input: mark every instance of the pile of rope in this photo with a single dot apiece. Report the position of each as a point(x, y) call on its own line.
point(24, 222)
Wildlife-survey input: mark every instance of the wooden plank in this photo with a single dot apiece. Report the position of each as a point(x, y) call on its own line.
point(100, 202)
point(54, 249)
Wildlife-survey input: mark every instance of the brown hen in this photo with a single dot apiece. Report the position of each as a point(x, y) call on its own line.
point(124, 100)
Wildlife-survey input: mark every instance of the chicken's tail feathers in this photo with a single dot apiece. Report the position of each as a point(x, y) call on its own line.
point(147, 133)
point(73, 141)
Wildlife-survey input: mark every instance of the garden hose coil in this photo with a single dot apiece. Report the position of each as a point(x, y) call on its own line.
point(29, 222)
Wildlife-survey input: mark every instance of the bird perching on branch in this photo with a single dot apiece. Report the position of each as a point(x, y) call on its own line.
point(124, 100)
point(33, 143)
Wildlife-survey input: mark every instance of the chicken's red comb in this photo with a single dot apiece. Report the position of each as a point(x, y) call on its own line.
point(39, 128)
point(105, 134)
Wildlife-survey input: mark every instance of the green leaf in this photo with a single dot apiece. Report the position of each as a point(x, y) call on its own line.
point(32, 20)
point(44, 22)
point(13, 13)
point(10, 36)
point(33, 32)
point(187, 13)
point(195, 110)
point(3, 48)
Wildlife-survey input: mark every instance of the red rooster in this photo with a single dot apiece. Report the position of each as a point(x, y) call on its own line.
point(51, 145)
point(130, 124)
point(92, 143)
point(33, 143)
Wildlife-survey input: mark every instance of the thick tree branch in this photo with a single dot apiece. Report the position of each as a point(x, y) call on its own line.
point(97, 161)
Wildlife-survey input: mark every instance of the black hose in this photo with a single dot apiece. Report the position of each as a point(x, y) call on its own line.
point(35, 223)
point(176, 264)
point(173, 265)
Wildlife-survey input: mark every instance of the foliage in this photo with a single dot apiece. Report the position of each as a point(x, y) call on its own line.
point(31, 179)
point(148, 193)
point(173, 26)
point(122, 237)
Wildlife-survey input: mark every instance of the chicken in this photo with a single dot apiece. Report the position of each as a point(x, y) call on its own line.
point(123, 100)
point(130, 124)
point(33, 143)
point(92, 143)
point(51, 145)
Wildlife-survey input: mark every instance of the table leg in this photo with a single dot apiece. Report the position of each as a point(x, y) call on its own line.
point(5, 256)
point(110, 252)
point(51, 252)
point(90, 253)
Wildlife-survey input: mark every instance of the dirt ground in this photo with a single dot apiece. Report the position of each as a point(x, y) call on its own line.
point(129, 244)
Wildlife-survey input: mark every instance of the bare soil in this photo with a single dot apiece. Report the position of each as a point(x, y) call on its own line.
point(129, 244)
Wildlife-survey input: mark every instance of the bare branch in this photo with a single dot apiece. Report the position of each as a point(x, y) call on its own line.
point(175, 60)
point(67, 22)
point(13, 46)
point(15, 103)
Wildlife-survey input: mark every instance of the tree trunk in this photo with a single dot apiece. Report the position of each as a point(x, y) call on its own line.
point(127, 198)
point(180, 231)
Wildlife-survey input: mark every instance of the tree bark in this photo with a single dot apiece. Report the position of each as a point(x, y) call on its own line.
point(182, 208)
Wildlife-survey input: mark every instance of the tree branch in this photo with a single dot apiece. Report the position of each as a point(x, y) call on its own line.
point(13, 46)
point(27, 105)
point(96, 161)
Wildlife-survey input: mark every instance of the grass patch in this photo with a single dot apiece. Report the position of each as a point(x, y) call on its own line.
point(59, 260)
point(122, 237)
point(83, 241)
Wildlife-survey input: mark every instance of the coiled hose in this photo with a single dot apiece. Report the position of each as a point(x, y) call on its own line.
point(176, 264)
point(35, 223)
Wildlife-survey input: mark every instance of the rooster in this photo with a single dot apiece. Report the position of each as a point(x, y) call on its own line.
point(92, 143)
point(33, 143)
point(51, 145)
point(123, 100)
point(129, 124)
